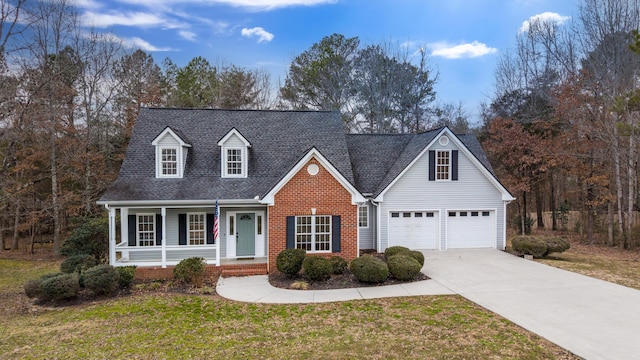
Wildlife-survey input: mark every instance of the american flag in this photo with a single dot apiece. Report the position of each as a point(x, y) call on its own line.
point(216, 232)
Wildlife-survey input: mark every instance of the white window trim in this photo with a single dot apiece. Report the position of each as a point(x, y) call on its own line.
point(448, 166)
point(204, 231)
point(313, 233)
point(179, 164)
point(243, 166)
point(153, 232)
point(366, 218)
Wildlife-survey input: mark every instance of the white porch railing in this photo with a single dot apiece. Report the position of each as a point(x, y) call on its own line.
point(167, 255)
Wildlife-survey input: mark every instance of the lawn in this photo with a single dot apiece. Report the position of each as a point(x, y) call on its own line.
point(152, 325)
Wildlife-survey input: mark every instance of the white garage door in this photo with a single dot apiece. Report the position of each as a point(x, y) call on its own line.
point(414, 229)
point(471, 229)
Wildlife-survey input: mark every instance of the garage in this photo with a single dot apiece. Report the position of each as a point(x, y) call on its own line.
point(414, 229)
point(471, 229)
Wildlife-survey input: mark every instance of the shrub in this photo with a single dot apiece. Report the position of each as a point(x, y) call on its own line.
point(77, 264)
point(529, 245)
point(369, 269)
point(289, 261)
point(556, 244)
point(419, 256)
point(403, 267)
point(127, 274)
point(33, 288)
point(90, 236)
point(338, 265)
point(190, 270)
point(102, 279)
point(394, 250)
point(317, 268)
point(59, 287)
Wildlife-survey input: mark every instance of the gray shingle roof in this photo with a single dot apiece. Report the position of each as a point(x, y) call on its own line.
point(279, 139)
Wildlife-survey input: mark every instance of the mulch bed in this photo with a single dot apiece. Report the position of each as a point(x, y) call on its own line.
point(345, 281)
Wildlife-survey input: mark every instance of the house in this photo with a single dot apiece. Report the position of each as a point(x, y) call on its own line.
point(293, 179)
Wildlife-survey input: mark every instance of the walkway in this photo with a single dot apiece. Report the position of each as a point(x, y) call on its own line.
point(592, 318)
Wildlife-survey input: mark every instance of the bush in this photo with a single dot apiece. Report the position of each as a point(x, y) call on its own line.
point(403, 267)
point(127, 274)
point(78, 264)
point(338, 265)
point(419, 256)
point(556, 245)
point(190, 270)
point(395, 250)
point(59, 287)
point(33, 288)
point(529, 245)
point(102, 279)
point(90, 236)
point(317, 268)
point(369, 269)
point(289, 261)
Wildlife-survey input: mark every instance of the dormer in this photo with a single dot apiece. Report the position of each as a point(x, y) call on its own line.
point(171, 153)
point(234, 155)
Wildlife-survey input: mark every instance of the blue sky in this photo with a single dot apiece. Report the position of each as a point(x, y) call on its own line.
point(463, 37)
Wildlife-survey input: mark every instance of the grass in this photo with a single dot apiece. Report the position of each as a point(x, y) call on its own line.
point(158, 325)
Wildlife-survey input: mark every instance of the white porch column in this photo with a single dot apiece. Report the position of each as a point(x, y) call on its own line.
point(112, 236)
point(163, 211)
point(124, 225)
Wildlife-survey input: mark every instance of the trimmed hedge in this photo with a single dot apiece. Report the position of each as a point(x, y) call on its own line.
point(369, 269)
point(317, 268)
point(395, 250)
point(102, 279)
point(78, 263)
point(403, 267)
point(289, 261)
point(338, 264)
point(190, 270)
point(419, 256)
point(529, 245)
point(556, 245)
point(127, 273)
point(60, 287)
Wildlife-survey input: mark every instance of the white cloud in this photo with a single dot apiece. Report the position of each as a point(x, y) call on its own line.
point(136, 42)
point(256, 5)
point(469, 50)
point(141, 19)
point(258, 32)
point(188, 35)
point(544, 17)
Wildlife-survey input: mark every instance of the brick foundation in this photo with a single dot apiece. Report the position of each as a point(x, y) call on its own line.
point(152, 273)
point(304, 192)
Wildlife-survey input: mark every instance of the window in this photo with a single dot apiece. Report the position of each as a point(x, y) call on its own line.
point(231, 232)
point(363, 216)
point(429, 214)
point(443, 161)
point(313, 233)
point(234, 162)
point(474, 213)
point(395, 214)
point(259, 224)
point(169, 161)
point(485, 213)
point(146, 229)
point(406, 214)
point(418, 214)
point(452, 213)
point(463, 213)
point(196, 228)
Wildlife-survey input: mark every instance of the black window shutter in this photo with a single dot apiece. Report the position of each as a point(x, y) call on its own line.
point(182, 229)
point(335, 233)
point(132, 231)
point(454, 165)
point(432, 165)
point(158, 229)
point(210, 220)
point(291, 232)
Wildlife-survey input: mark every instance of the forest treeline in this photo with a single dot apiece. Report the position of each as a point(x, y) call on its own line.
point(560, 128)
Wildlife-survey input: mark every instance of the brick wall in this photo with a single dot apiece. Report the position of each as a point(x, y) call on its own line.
point(304, 192)
point(152, 273)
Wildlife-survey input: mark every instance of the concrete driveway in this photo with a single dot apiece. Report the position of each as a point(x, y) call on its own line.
point(592, 318)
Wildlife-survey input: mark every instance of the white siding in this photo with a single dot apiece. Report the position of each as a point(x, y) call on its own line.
point(168, 140)
point(234, 141)
point(367, 235)
point(414, 191)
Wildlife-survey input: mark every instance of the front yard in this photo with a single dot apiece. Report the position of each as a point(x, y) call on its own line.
point(168, 325)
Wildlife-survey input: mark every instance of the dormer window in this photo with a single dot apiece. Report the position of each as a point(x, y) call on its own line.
point(234, 150)
point(171, 153)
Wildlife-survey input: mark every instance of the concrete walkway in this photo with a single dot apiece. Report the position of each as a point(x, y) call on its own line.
point(592, 318)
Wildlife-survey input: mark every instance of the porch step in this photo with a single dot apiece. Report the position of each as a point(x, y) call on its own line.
point(243, 270)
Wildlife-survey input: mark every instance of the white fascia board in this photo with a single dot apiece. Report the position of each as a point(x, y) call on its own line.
point(237, 133)
point(356, 197)
point(506, 196)
point(166, 131)
point(169, 203)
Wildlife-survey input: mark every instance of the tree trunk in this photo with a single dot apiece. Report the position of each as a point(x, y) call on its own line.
point(539, 208)
point(552, 203)
point(631, 173)
point(16, 223)
point(523, 213)
point(619, 198)
point(610, 240)
point(54, 188)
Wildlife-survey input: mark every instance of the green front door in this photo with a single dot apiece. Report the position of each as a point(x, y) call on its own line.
point(246, 234)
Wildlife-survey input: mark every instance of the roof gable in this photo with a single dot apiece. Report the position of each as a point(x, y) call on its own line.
point(176, 134)
point(236, 133)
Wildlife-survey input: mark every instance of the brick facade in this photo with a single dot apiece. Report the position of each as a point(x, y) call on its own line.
point(152, 273)
point(304, 192)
